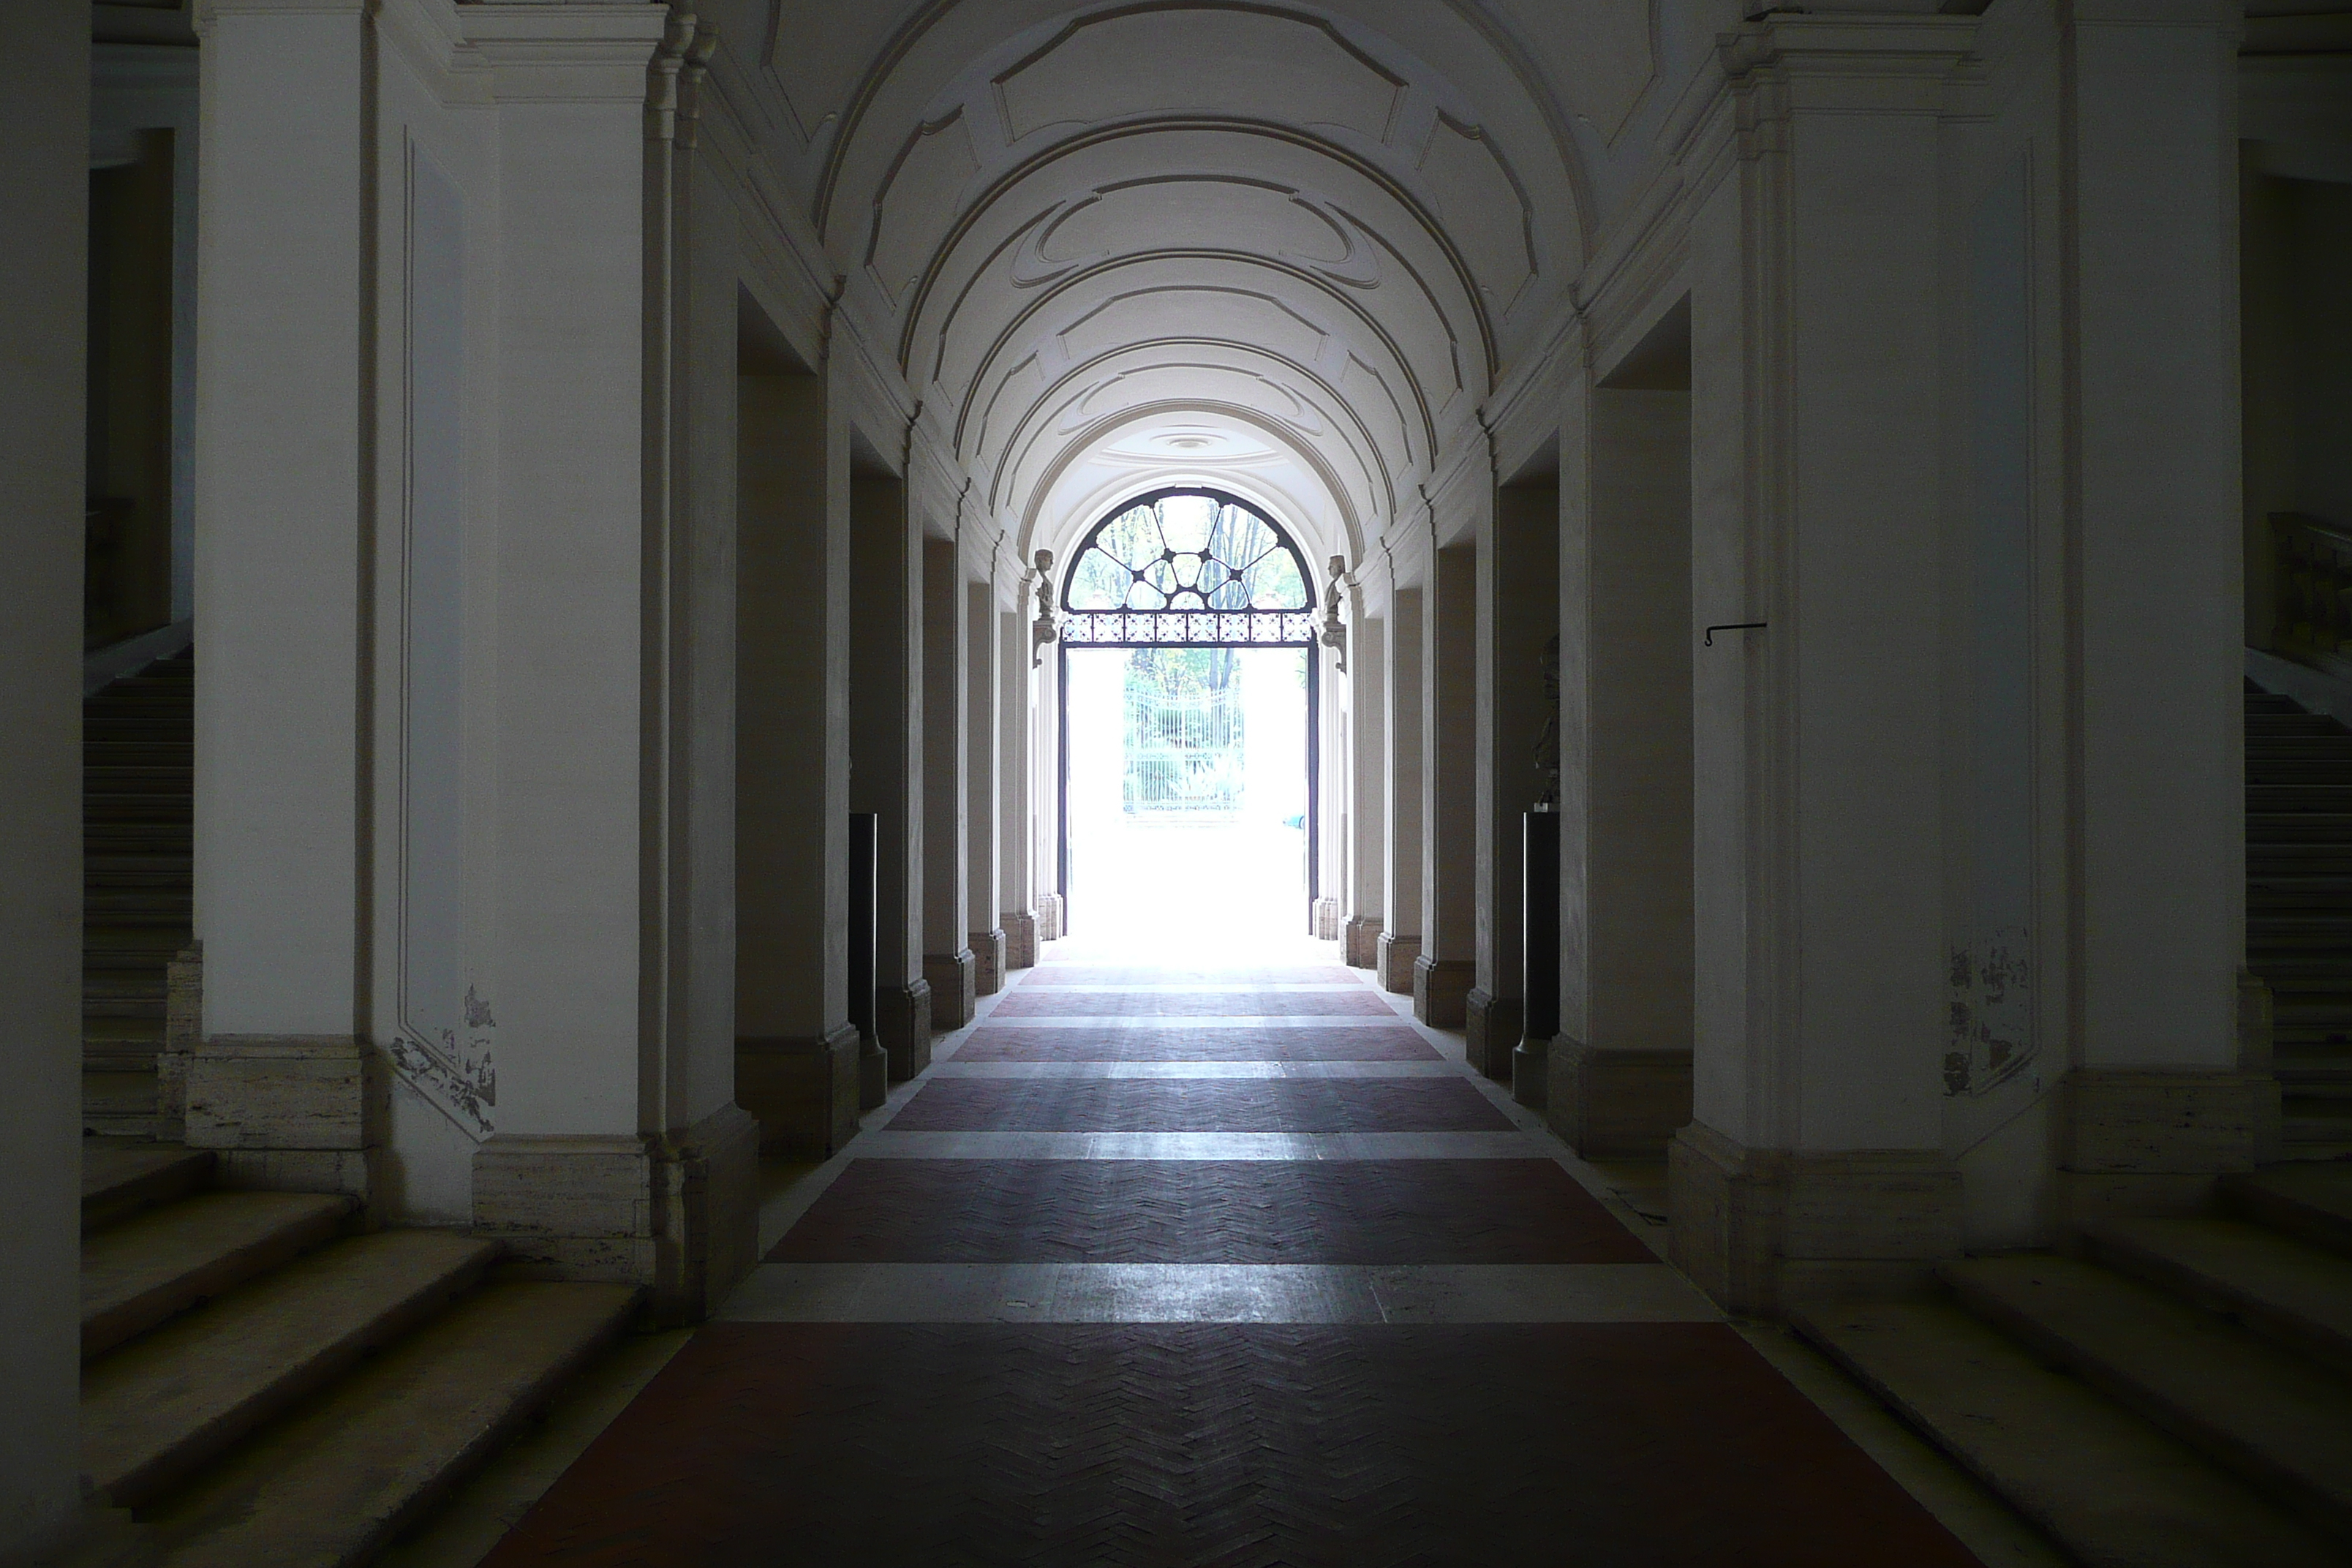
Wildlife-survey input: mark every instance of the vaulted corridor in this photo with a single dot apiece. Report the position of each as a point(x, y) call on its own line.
point(1222, 1262)
point(1175, 781)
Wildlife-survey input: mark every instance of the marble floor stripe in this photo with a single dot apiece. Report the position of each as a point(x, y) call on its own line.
point(889, 1143)
point(985, 1067)
point(1060, 974)
point(1200, 1105)
point(1218, 1293)
point(1127, 1002)
point(1208, 1211)
point(1391, 1018)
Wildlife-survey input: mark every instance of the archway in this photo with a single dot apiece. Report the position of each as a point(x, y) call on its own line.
point(1189, 721)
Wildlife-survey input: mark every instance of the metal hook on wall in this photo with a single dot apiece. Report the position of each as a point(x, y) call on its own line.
point(1733, 627)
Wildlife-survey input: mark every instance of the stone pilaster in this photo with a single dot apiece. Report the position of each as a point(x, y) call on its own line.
point(678, 1215)
point(954, 982)
point(1612, 1103)
point(1324, 919)
point(289, 1113)
point(902, 1019)
point(802, 1091)
point(1362, 939)
point(1051, 907)
point(1020, 937)
point(1395, 962)
point(1441, 991)
point(1490, 1027)
point(988, 949)
point(1758, 1229)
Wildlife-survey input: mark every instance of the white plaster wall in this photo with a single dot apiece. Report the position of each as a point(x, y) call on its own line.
point(2163, 867)
point(44, 160)
point(1637, 890)
point(570, 559)
point(280, 276)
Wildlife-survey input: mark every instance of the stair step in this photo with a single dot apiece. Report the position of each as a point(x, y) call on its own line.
point(117, 1103)
point(160, 1263)
point(2279, 1421)
point(117, 1180)
point(331, 1484)
point(2113, 1490)
point(2294, 1294)
point(152, 1413)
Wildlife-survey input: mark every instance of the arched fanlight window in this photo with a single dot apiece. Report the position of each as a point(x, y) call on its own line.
point(1187, 567)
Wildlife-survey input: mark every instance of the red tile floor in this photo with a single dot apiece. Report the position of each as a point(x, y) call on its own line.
point(1100, 1289)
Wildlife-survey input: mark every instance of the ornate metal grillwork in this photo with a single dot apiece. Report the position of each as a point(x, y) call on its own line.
point(1187, 567)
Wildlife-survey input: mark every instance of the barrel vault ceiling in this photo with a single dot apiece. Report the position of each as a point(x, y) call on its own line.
point(1280, 249)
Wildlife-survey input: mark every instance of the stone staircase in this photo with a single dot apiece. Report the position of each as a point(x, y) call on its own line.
point(2178, 1395)
point(2299, 912)
point(264, 1381)
point(137, 789)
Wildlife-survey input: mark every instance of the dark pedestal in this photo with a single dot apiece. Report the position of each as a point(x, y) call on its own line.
point(1539, 928)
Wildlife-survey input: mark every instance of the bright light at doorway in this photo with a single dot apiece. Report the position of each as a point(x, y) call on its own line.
point(1188, 796)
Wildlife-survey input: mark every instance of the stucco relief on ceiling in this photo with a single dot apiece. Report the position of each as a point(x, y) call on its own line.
point(917, 204)
point(1601, 51)
point(1090, 73)
point(1480, 199)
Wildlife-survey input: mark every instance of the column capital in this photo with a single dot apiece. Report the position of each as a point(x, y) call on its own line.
point(562, 53)
point(1846, 62)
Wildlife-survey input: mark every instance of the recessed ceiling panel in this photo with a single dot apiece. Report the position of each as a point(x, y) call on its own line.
point(1246, 64)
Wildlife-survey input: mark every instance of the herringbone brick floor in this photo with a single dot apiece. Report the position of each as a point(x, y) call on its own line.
point(1591, 1445)
point(865, 1433)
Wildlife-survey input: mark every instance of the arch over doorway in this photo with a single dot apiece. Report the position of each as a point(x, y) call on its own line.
point(1199, 570)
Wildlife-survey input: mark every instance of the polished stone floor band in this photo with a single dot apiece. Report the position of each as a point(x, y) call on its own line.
point(1219, 1293)
point(1208, 1212)
point(1065, 1001)
point(892, 1143)
point(1198, 1105)
point(961, 1066)
point(1366, 1039)
point(1071, 974)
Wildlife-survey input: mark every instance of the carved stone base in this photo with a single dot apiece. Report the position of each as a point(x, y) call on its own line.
point(1051, 909)
point(1612, 1104)
point(1395, 961)
point(1491, 1027)
point(1019, 939)
point(954, 980)
point(293, 1113)
point(988, 949)
point(873, 1075)
point(1323, 917)
point(1441, 991)
point(802, 1091)
point(902, 1018)
point(1759, 1228)
point(680, 1215)
point(2154, 1141)
point(1531, 1073)
point(1362, 942)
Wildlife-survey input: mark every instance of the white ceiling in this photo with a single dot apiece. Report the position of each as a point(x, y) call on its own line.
point(1282, 250)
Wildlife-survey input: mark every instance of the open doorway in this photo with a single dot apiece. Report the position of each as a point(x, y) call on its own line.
point(1188, 705)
